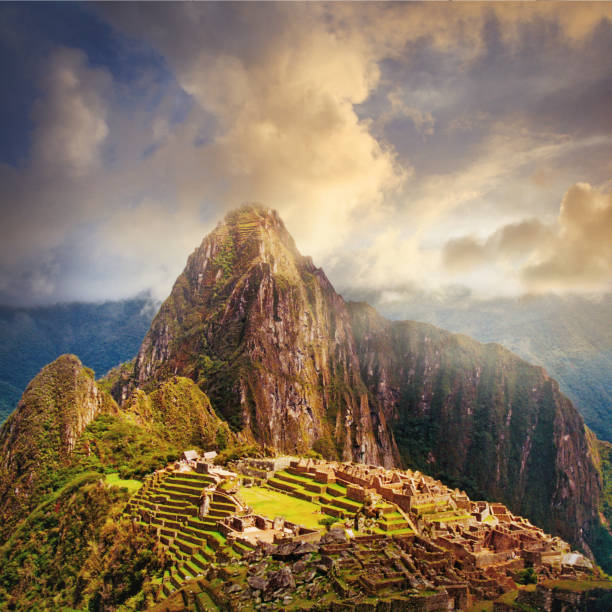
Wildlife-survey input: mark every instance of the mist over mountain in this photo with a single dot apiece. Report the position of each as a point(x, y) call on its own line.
point(570, 336)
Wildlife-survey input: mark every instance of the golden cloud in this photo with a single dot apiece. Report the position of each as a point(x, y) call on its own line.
point(573, 255)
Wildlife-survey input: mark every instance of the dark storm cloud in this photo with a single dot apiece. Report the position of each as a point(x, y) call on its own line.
point(538, 78)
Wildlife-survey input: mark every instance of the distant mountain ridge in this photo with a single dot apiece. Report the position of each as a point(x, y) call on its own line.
point(102, 335)
point(570, 336)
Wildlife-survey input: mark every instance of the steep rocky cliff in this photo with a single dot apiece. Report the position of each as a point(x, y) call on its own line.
point(39, 436)
point(263, 332)
point(479, 416)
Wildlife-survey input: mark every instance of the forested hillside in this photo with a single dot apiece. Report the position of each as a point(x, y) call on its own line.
point(570, 336)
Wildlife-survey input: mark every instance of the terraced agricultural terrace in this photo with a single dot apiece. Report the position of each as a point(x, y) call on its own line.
point(168, 502)
point(299, 534)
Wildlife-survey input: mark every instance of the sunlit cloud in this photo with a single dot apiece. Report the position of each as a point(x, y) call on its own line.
point(405, 145)
point(574, 254)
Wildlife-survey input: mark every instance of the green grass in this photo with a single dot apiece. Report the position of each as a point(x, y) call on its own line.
point(131, 485)
point(398, 531)
point(449, 519)
point(578, 585)
point(481, 606)
point(299, 477)
point(274, 503)
point(489, 519)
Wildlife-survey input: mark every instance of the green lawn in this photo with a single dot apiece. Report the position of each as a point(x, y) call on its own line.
point(274, 503)
point(481, 606)
point(578, 585)
point(131, 485)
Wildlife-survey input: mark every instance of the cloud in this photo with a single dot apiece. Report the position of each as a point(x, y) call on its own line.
point(50, 194)
point(288, 134)
point(465, 253)
point(581, 255)
point(71, 115)
point(283, 104)
point(423, 120)
point(510, 243)
point(575, 254)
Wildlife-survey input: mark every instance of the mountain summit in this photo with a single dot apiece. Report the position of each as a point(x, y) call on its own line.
point(38, 438)
point(263, 332)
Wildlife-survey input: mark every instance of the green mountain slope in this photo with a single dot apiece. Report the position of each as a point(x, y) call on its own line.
point(66, 455)
point(102, 335)
point(37, 440)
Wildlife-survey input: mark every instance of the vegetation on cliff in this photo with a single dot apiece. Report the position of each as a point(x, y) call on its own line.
point(481, 418)
point(261, 330)
point(569, 335)
point(601, 541)
point(69, 551)
point(181, 413)
point(62, 545)
point(37, 440)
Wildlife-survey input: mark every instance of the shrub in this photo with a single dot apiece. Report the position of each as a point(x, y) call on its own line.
point(328, 521)
point(233, 453)
point(527, 576)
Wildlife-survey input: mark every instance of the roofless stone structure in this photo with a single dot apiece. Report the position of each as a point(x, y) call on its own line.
point(399, 537)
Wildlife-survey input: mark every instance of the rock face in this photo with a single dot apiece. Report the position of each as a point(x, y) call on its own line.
point(263, 332)
point(479, 416)
point(288, 363)
point(40, 434)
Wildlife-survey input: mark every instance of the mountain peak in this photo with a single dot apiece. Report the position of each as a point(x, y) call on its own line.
point(244, 227)
point(262, 331)
point(289, 364)
point(253, 211)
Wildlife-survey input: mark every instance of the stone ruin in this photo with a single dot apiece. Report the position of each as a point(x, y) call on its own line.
point(450, 552)
point(257, 529)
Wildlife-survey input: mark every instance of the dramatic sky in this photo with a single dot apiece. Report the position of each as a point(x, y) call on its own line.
point(437, 148)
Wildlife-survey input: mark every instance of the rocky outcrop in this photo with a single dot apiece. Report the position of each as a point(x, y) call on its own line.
point(37, 439)
point(478, 416)
point(263, 332)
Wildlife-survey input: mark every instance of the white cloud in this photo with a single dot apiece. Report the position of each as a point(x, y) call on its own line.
point(71, 116)
point(575, 254)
